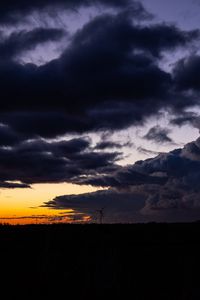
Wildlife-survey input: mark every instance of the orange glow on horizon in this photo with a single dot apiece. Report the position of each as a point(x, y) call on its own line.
point(22, 206)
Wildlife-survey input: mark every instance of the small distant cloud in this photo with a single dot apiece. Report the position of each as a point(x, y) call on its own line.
point(147, 151)
point(159, 135)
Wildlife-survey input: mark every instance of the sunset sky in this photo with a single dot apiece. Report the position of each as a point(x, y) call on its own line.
point(100, 110)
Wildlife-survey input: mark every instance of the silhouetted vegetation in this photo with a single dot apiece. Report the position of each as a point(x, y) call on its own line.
point(153, 261)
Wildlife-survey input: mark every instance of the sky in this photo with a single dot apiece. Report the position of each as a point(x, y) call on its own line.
point(99, 111)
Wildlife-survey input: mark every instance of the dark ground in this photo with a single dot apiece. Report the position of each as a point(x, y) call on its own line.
point(154, 261)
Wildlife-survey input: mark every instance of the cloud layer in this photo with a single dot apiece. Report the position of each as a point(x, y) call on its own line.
point(12, 12)
point(108, 76)
point(39, 161)
point(164, 188)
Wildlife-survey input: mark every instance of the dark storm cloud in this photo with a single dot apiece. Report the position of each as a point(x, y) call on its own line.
point(108, 78)
point(159, 135)
point(123, 177)
point(85, 71)
point(12, 11)
point(39, 161)
point(153, 38)
point(8, 136)
point(23, 40)
point(174, 197)
point(187, 73)
point(49, 124)
point(110, 201)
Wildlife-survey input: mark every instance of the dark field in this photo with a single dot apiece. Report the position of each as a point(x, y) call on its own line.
point(154, 261)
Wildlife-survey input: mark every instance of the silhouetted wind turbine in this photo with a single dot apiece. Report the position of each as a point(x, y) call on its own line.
point(101, 214)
